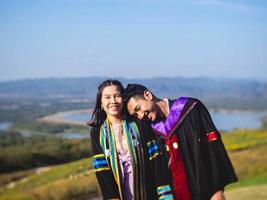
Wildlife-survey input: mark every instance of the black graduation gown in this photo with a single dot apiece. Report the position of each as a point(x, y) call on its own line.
point(207, 165)
point(152, 159)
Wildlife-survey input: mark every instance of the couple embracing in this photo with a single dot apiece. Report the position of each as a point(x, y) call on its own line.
point(150, 148)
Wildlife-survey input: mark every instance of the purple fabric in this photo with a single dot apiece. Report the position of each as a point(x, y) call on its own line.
point(172, 118)
point(126, 177)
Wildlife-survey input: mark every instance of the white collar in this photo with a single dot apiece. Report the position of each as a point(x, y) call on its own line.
point(167, 101)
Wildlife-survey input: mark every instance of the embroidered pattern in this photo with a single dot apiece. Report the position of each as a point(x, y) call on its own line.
point(133, 129)
point(108, 144)
point(152, 149)
point(100, 163)
point(164, 192)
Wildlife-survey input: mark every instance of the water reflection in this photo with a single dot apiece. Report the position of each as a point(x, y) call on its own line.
point(74, 135)
point(5, 125)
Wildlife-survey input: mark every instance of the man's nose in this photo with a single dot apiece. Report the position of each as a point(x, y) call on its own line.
point(141, 115)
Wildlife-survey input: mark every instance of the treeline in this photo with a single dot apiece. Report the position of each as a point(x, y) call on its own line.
point(43, 127)
point(20, 153)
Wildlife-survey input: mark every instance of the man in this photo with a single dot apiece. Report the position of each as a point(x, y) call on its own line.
point(199, 165)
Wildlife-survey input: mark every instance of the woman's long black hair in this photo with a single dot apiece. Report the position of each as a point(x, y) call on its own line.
point(99, 115)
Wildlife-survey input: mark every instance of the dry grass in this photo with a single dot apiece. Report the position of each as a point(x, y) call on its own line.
point(251, 162)
point(69, 181)
point(257, 192)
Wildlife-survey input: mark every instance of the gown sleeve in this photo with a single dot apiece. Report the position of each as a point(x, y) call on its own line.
point(158, 168)
point(105, 178)
point(222, 170)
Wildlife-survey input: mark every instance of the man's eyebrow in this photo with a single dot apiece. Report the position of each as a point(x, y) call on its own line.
point(137, 108)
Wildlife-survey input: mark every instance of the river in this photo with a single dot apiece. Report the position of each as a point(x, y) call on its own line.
point(224, 120)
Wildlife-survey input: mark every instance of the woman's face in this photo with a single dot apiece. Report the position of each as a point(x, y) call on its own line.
point(111, 101)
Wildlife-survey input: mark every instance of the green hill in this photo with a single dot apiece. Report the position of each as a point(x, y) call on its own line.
point(219, 93)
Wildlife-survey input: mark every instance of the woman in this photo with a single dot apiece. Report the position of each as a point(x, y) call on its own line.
point(124, 154)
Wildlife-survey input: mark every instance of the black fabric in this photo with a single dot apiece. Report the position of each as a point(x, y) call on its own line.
point(159, 174)
point(208, 167)
point(105, 178)
point(154, 169)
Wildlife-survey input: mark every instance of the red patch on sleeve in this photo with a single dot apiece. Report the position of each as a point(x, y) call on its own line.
point(211, 136)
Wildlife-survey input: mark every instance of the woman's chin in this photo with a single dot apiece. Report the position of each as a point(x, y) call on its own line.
point(115, 114)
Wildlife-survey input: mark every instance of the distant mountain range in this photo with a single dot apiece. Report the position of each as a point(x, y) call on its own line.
point(226, 93)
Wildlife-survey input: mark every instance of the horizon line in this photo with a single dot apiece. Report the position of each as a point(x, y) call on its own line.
point(142, 78)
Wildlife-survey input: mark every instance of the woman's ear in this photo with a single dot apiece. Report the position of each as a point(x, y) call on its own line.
point(148, 95)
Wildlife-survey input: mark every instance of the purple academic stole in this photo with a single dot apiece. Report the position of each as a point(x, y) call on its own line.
point(164, 129)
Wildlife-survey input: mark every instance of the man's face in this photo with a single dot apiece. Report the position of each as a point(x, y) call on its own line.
point(143, 107)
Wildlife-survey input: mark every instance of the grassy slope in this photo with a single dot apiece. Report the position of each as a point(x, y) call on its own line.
point(247, 149)
point(58, 182)
point(256, 192)
point(244, 138)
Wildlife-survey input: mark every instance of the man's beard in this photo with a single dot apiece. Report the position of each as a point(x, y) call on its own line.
point(158, 119)
point(146, 118)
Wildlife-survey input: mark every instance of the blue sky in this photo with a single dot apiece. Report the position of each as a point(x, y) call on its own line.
point(133, 38)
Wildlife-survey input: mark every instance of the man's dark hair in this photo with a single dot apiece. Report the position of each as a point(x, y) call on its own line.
point(134, 90)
